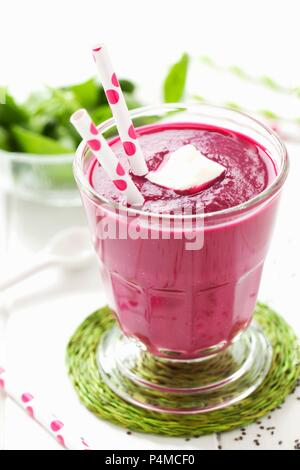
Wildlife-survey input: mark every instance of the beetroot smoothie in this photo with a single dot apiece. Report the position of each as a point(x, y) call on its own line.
point(179, 301)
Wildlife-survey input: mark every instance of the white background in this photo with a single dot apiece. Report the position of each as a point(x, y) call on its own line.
point(49, 42)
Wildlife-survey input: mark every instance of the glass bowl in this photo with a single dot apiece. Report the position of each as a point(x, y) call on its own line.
point(41, 178)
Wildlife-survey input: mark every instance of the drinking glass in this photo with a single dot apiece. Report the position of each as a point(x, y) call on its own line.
point(184, 340)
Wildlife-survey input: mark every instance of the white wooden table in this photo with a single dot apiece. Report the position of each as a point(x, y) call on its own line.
point(43, 313)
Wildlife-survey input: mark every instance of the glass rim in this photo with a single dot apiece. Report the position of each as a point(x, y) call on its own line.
point(38, 158)
point(270, 190)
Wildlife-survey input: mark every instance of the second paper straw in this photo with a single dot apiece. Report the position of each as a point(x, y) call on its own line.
point(106, 157)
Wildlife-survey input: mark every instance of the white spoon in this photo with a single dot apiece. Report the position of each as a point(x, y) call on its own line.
point(70, 249)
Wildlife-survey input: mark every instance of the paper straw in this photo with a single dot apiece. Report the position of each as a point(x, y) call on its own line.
point(35, 410)
point(106, 157)
point(120, 111)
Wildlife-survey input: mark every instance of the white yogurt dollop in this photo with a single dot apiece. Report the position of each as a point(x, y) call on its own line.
point(187, 170)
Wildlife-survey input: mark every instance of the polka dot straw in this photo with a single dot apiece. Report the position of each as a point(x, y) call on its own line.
point(61, 432)
point(106, 157)
point(120, 111)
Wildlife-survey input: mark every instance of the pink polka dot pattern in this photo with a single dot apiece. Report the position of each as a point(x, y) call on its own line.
point(56, 425)
point(122, 118)
point(114, 80)
point(129, 148)
point(26, 397)
point(93, 129)
point(30, 411)
point(94, 144)
point(2, 384)
point(120, 170)
point(104, 154)
point(112, 96)
point(120, 184)
point(60, 439)
point(131, 132)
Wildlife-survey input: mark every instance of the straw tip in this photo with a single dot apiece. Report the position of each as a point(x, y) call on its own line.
point(78, 115)
point(97, 48)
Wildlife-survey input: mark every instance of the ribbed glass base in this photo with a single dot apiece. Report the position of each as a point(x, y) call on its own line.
point(184, 386)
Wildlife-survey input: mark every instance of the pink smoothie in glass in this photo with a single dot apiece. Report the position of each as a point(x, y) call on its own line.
point(179, 301)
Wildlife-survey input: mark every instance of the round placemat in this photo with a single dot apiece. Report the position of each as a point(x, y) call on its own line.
point(103, 402)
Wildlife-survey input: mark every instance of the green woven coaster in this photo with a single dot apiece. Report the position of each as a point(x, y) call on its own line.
point(103, 402)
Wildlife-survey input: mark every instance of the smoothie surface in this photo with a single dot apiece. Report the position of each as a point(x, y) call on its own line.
point(249, 168)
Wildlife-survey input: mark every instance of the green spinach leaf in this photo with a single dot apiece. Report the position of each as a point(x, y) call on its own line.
point(29, 142)
point(174, 84)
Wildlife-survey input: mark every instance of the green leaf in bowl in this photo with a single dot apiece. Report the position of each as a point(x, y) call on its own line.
point(42, 124)
point(127, 86)
point(174, 84)
point(86, 93)
point(67, 137)
point(131, 102)
point(101, 114)
point(4, 139)
point(52, 105)
point(10, 111)
point(30, 142)
point(35, 103)
point(64, 103)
